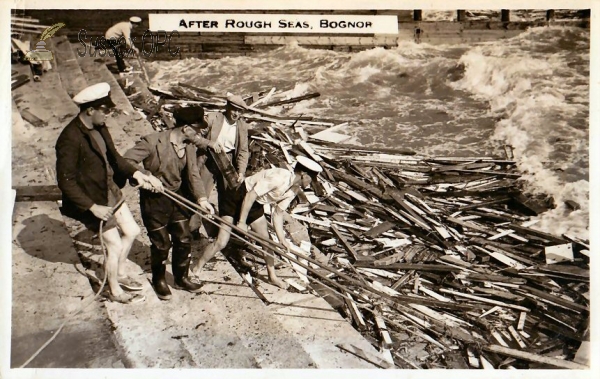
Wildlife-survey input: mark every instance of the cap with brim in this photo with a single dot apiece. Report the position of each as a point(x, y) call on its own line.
point(135, 19)
point(191, 116)
point(236, 100)
point(312, 166)
point(94, 96)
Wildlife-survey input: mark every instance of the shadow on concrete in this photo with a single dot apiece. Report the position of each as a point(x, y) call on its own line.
point(46, 238)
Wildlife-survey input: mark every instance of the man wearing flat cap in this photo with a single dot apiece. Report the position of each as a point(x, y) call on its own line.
point(170, 156)
point(118, 38)
point(245, 206)
point(90, 173)
point(228, 134)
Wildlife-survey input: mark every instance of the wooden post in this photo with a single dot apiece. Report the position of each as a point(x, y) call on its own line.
point(550, 15)
point(505, 15)
point(461, 15)
point(418, 15)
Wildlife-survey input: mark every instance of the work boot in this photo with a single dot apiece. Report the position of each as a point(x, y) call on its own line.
point(157, 259)
point(181, 264)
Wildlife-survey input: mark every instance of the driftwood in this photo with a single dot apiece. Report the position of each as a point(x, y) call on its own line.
point(444, 244)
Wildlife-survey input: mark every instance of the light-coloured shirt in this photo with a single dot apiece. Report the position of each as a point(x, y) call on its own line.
point(227, 136)
point(272, 186)
point(122, 29)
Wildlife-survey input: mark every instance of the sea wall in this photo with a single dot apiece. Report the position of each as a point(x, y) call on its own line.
point(208, 45)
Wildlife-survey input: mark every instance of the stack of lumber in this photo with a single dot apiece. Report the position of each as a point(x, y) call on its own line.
point(436, 260)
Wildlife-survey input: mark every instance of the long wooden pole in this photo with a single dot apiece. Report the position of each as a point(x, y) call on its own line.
point(281, 251)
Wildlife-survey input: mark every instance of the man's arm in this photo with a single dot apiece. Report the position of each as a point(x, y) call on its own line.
point(67, 157)
point(134, 156)
point(243, 151)
point(277, 220)
point(117, 161)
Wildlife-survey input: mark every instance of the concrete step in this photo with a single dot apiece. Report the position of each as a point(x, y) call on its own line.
point(45, 109)
point(68, 68)
point(260, 330)
point(315, 324)
point(46, 288)
point(226, 326)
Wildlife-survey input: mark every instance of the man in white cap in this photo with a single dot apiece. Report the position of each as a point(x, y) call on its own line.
point(90, 173)
point(245, 206)
point(118, 37)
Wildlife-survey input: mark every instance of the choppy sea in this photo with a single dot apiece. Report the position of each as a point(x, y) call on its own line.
point(530, 92)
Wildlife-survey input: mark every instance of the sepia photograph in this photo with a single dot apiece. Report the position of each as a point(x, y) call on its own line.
point(318, 186)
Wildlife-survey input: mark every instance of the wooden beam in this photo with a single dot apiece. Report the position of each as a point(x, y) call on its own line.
point(361, 354)
point(534, 357)
point(38, 193)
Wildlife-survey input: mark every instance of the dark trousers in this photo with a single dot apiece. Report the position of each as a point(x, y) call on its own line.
point(117, 49)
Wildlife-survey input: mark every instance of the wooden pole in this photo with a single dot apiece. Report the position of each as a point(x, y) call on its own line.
point(461, 15)
point(534, 357)
point(418, 15)
point(279, 249)
point(505, 15)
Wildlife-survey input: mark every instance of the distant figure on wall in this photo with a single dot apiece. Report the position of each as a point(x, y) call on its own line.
point(118, 38)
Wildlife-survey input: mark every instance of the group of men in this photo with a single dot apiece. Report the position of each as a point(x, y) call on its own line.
point(180, 162)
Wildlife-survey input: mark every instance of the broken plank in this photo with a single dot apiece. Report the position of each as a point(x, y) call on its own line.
point(359, 321)
point(347, 245)
point(411, 266)
point(379, 229)
point(383, 331)
point(556, 362)
point(363, 355)
point(469, 225)
point(554, 299)
point(38, 193)
point(389, 260)
point(484, 300)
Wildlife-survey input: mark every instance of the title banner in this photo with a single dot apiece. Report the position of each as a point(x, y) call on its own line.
point(273, 23)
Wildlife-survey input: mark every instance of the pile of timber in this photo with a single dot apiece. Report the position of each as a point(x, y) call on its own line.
point(436, 260)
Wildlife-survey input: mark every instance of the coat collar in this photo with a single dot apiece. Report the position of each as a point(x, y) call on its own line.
point(86, 132)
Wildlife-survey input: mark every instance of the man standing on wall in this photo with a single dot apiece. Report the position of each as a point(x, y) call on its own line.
point(170, 156)
point(118, 38)
point(90, 173)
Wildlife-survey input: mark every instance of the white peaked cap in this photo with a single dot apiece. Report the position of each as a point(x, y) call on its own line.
point(309, 164)
point(135, 19)
point(92, 93)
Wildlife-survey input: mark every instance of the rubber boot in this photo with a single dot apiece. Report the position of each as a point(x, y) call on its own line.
point(181, 263)
point(157, 259)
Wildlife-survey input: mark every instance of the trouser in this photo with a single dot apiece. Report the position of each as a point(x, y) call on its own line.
point(117, 49)
point(36, 68)
point(178, 236)
point(168, 225)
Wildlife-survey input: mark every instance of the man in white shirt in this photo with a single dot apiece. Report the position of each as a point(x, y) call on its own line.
point(119, 35)
point(245, 206)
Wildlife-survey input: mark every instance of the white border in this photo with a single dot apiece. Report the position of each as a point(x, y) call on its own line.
point(6, 204)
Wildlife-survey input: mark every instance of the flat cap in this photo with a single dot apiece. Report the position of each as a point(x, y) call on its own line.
point(236, 100)
point(135, 19)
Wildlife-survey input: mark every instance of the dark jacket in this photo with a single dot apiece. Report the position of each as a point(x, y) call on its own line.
point(241, 154)
point(81, 170)
point(152, 150)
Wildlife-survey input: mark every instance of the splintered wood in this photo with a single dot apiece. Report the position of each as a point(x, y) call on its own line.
point(437, 259)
